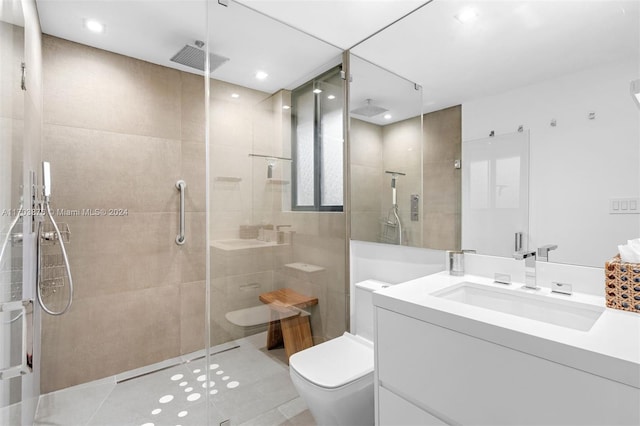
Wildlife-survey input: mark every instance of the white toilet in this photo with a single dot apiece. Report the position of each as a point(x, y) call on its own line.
point(335, 378)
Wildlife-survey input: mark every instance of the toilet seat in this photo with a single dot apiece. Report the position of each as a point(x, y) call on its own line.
point(335, 363)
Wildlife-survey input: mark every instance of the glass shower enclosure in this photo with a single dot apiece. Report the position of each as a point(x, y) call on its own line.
point(275, 235)
point(165, 330)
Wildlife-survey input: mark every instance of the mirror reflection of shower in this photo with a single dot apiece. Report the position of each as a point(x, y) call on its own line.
point(392, 226)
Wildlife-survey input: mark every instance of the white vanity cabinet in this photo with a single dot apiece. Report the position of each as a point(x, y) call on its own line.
point(427, 374)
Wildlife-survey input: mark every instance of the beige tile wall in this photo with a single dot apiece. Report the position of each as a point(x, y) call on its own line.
point(366, 180)
point(119, 133)
point(442, 182)
point(402, 144)
point(429, 172)
point(256, 123)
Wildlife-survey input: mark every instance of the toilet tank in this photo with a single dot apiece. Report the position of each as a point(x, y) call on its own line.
point(363, 305)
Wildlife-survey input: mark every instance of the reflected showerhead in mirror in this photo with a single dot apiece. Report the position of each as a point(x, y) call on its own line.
point(635, 92)
point(369, 110)
point(193, 56)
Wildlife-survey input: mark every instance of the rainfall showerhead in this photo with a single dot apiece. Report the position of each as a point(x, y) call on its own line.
point(193, 57)
point(369, 110)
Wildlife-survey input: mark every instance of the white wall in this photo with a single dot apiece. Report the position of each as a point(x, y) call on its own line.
point(391, 263)
point(578, 165)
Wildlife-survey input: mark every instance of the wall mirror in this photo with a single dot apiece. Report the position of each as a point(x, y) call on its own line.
point(386, 155)
point(558, 72)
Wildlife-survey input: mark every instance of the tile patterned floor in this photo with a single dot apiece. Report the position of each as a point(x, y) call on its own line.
point(247, 385)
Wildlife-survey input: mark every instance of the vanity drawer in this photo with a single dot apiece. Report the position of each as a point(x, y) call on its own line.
point(396, 411)
point(466, 380)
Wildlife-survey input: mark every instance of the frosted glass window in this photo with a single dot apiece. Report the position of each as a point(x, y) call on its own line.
point(332, 148)
point(305, 151)
point(318, 144)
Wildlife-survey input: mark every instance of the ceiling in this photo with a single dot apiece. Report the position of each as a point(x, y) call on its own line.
point(510, 44)
point(154, 31)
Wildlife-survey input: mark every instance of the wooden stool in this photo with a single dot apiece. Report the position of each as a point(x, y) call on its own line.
point(288, 322)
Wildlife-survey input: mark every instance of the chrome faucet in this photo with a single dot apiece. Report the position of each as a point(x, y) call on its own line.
point(543, 252)
point(529, 258)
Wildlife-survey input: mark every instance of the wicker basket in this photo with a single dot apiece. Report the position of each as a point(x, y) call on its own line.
point(622, 285)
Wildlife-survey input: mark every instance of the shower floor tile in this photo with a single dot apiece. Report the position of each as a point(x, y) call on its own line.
point(247, 384)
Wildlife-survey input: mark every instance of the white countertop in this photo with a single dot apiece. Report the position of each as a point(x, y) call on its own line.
point(610, 349)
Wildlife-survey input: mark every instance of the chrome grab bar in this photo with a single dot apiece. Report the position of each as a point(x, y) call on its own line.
point(182, 186)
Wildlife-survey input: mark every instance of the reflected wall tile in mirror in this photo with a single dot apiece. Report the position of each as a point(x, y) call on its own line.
point(366, 226)
point(366, 143)
point(442, 231)
point(366, 182)
point(443, 135)
point(441, 188)
point(402, 146)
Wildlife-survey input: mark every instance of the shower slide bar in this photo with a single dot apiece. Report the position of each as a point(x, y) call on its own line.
point(182, 187)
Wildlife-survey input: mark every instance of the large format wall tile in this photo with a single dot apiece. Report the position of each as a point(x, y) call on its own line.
point(193, 173)
point(442, 182)
point(105, 335)
point(193, 255)
point(192, 107)
point(115, 141)
point(95, 89)
point(192, 316)
point(93, 169)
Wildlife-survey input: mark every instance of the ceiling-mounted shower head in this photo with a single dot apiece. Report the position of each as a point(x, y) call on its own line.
point(369, 110)
point(193, 56)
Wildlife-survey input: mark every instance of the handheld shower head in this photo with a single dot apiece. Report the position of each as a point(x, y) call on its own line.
point(46, 180)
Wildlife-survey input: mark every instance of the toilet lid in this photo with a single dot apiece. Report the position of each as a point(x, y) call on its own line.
point(334, 363)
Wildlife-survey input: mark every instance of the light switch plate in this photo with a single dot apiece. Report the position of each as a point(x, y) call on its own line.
point(624, 206)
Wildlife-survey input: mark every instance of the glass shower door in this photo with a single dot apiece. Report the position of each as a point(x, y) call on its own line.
point(16, 311)
point(261, 249)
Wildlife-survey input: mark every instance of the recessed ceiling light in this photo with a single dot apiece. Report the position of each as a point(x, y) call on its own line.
point(93, 25)
point(331, 97)
point(286, 107)
point(467, 15)
point(261, 75)
point(235, 95)
point(387, 116)
point(317, 91)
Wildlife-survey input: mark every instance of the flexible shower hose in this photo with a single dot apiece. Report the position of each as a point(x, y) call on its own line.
point(66, 265)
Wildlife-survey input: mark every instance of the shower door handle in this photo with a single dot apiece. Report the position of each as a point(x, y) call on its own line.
point(24, 309)
point(182, 187)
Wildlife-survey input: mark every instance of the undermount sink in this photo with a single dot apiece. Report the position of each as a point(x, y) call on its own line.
point(565, 313)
